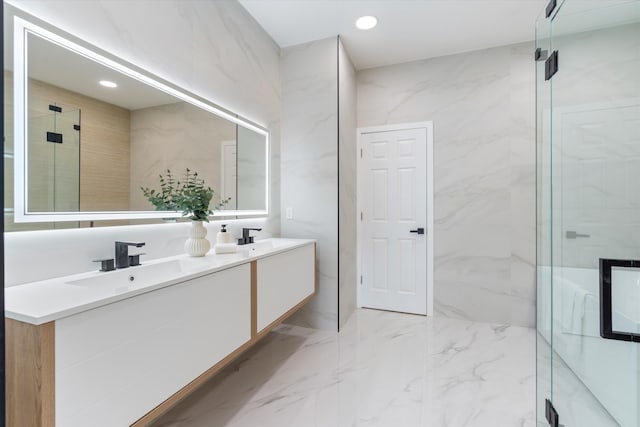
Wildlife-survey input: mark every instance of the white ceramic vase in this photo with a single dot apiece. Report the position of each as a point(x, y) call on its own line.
point(197, 244)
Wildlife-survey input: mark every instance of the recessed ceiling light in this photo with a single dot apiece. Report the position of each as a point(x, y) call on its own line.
point(366, 22)
point(107, 83)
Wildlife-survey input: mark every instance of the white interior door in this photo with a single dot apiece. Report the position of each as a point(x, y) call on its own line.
point(394, 219)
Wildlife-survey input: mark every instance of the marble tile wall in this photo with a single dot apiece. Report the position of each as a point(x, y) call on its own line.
point(347, 156)
point(214, 49)
point(310, 167)
point(595, 143)
point(482, 106)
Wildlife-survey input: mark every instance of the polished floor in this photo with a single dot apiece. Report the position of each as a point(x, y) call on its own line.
point(383, 369)
point(571, 398)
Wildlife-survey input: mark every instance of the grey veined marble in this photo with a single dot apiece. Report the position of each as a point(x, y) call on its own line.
point(384, 369)
point(309, 159)
point(482, 107)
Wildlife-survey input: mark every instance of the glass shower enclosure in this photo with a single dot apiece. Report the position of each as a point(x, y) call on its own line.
point(588, 214)
point(54, 160)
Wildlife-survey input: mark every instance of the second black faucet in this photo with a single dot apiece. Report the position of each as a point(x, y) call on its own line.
point(246, 239)
point(122, 253)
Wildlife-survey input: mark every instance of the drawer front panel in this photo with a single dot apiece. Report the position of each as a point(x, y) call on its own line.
point(284, 280)
point(118, 362)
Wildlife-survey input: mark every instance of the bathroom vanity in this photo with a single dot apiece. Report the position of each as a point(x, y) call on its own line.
point(120, 348)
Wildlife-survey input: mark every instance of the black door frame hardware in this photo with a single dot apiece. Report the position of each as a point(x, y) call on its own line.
point(606, 311)
point(418, 230)
point(551, 65)
point(550, 8)
point(540, 55)
point(551, 414)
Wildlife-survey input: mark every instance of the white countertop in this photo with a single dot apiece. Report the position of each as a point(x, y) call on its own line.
point(52, 299)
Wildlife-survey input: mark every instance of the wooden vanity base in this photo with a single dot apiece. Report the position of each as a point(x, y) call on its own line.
point(30, 368)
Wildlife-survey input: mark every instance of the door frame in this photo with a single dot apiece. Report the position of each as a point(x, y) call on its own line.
point(223, 168)
point(428, 125)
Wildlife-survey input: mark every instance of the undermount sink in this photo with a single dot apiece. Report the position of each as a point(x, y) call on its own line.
point(256, 247)
point(138, 276)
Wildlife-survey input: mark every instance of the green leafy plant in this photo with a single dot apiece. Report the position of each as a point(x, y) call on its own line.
point(190, 195)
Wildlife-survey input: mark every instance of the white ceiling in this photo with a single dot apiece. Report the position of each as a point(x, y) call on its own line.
point(407, 30)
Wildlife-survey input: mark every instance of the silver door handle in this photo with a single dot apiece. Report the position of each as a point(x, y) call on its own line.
point(573, 235)
point(419, 231)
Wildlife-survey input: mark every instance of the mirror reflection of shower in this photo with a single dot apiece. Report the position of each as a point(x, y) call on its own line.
point(54, 159)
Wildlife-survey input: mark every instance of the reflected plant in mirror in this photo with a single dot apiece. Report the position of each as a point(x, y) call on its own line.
point(191, 196)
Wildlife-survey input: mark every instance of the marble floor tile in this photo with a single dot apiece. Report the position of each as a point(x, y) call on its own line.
point(383, 369)
point(572, 399)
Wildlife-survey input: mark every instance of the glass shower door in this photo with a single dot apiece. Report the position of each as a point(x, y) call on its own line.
point(543, 215)
point(54, 162)
point(594, 207)
point(67, 163)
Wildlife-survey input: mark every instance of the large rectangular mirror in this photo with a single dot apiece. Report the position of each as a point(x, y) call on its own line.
point(89, 131)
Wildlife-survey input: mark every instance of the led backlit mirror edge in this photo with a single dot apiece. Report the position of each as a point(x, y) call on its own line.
point(22, 28)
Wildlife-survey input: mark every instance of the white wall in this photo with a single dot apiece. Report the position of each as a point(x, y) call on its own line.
point(214, 49)
point(482, 106)
point(347, 158)
point(319, 171)
point(310, 166)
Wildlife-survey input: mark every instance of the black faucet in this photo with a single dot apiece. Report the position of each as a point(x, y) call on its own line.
point(122, 253)
point(246, 239)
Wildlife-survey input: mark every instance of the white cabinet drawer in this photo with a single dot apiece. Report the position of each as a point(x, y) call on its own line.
point(283, 281)
point(118, 362)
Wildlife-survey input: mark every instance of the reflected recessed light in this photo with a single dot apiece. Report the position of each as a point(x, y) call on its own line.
point(107, 83)
point(366, 22)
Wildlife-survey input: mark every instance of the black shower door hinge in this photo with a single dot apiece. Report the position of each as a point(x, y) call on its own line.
point(540, 55)
point(551, 414)
point(55, 108)
point(551, 65)
point(550, 8)
point(76, 127)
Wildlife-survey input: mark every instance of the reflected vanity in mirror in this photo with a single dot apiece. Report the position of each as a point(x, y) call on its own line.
point(90, 130)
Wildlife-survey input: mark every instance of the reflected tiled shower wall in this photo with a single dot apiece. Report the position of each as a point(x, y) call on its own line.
point(483, 109)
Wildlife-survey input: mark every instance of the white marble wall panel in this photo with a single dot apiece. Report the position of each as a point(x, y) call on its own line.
point(214, 49)
point(482, 107)
point(347, 155)
point(596, 145)
point(310, 166)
